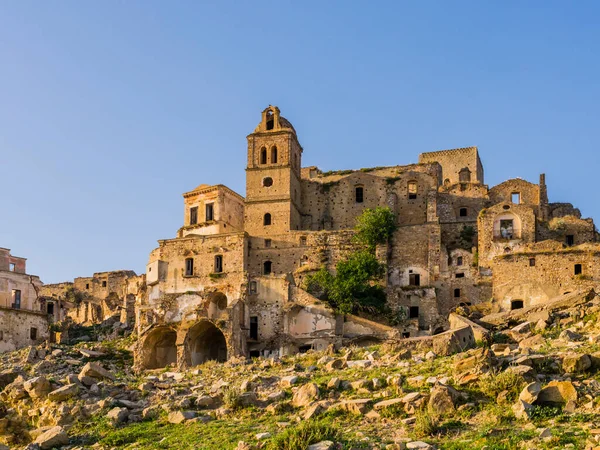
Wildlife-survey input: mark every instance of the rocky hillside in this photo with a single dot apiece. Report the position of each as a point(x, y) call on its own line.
point(533, 385)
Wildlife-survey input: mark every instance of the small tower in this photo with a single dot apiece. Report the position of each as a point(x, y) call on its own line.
point(273, 189)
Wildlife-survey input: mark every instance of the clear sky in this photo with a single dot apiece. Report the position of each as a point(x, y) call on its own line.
point(110, 110)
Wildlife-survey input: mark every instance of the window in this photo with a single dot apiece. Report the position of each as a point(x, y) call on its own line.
point(578, 269)
point(194, 215)
point(33, 333)
point(412, 190)
point(218, 263)
point(359, 194)
point(414, 279)
point(303, 241)
point(531, 262)
point(253, 287)
point(516, 304)
point(267, 219)
point(274, 155)
point(263, 155)
point(507, 229)
point(462, 212)
point(254, 327)
point(270, 120)
point(16, 296)
point(460, 275)
point(11, 267)
point(87, 285)
point(456, 293)
point(515, 198)
point(464, 176)
point(405, 334)
point(50, 309)
point(189, 267)
point(267, 243)
point(1, 335)
point(413, 312)
point(267, 182)
point(267, 267)
point(104, 283)
point(570, 240)
point(459, 261)
point(210, 212)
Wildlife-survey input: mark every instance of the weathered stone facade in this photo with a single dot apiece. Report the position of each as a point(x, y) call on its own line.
point(230, 282)
point(23, 318)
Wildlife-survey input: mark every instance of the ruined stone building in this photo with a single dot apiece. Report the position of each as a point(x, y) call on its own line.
point(23, 320)
point(91, 300)
point(230, 282)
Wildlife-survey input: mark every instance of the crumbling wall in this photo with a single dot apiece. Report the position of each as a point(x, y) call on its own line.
point(16, 328)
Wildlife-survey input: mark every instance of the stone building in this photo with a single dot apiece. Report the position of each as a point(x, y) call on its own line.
point(90, 300)
point(23, 319)
point(230, 282)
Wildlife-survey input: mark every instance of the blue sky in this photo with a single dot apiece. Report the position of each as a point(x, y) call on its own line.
point(110, 110)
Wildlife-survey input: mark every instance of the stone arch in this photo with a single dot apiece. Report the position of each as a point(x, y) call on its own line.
point(507, 226)
point(159, 348)
point(204, 342)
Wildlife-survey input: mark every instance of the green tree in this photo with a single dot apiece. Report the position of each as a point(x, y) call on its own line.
point(353, 287)
point(375, 226)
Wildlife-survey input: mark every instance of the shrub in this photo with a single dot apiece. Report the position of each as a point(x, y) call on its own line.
point(375, 226)
point(303, 435)
point(495, 383)
point(425, 424)
point(231, 398)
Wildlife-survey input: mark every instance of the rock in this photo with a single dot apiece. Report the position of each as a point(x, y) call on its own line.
point(576, 363)
point(152, 412)
point(205, 401)
point(522, 410)
point(535, 341)
point(63, 393)
point(335, 364)
point(313, 411)
point(525, 372)
point(305, 395)
point(356, 406)
point(545, 433)
point(54, 437)
point(95, 370)
point(442, 399)
point(521, 331)
point(569, 336)
point(557, 392)
point(333, 383)
point(181, 416)
point(323, 445)
point(411, 397)
point(37, 387)
point(360, 384)
point(290, 380)
point(7, 377)
point(480, 359)
point(248, 399)
point(430, 355)
point(263, 436)
point(419, 445)
point(361, 363)
point(117, 415)
point(530, 393)
point(387, 403)
point(90, 353)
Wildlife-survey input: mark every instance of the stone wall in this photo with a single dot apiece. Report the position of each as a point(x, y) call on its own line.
point(453, 161)
point(16, 328)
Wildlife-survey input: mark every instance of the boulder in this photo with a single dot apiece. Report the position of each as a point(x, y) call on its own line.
point(323, 445)
point(356, 406)
point(557, 392)
point(442, 399)
point(37, 387)
point(305, 395)
point(95, 370)
point(181, 416)
point(530, 393)
point(290, 380)
point(335, 364)
point(54, 437)
point(387, 403)
point(117, 415)
point(576, 363)
point(535, 341)
point(63, 393)
point(570, 336)
point(522, 410)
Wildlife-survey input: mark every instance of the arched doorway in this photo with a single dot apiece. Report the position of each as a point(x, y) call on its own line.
point(160, 348)
point(516, 304)
point(205, 342)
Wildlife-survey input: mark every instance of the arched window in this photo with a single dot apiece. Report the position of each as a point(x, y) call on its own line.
point(359, 194)
point(270, 120)
point(274, 155)
point(267, 267)
point(263, 155)
point(267, 219)
point(462, 212)
point(412, 190)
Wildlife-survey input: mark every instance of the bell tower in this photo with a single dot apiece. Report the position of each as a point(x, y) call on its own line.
point(273, 193)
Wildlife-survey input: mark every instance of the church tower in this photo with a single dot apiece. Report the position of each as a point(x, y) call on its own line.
point(273, 190)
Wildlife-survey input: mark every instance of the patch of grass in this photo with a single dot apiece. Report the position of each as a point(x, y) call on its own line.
point(494, 383)
point(426, 424)
point(305, 434)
